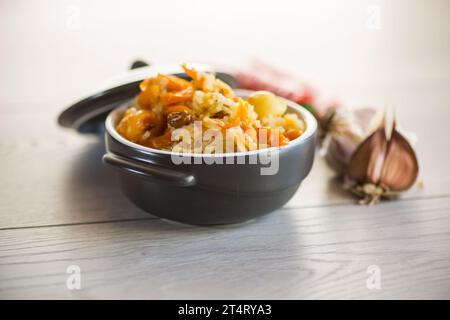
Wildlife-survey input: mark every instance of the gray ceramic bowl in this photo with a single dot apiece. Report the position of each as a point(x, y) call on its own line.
point(206, 194)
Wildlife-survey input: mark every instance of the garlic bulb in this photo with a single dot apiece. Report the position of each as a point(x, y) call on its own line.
point(345, 130)
point(376, 165)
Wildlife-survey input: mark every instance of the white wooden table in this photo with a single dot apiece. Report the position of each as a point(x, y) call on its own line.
point(60, 206)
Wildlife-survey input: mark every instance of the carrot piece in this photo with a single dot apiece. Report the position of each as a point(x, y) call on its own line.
point(174, 83)
point(177, 108)
point(177, 97)
point(191, 72)
point(241, 115)
point(242, 112)
point(292, 134)
point(277, 139)
point(273, 137)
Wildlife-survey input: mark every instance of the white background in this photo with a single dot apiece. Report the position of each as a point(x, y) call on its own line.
point(329, 44)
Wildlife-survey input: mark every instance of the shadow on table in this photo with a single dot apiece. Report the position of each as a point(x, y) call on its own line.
point(335, 187)
point(92, 190)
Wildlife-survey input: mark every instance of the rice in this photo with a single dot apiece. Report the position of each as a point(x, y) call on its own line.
point(205, 116)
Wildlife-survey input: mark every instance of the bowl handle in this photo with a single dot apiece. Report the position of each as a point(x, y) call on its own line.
point(153, 172)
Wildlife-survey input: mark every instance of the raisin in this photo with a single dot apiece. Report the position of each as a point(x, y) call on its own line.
point(218, 115)
point(179, 119)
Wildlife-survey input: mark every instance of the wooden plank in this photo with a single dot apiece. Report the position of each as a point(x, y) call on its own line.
point(293, 253)
point(54, 177)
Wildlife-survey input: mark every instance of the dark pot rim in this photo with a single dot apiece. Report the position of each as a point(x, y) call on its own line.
point(311, 128)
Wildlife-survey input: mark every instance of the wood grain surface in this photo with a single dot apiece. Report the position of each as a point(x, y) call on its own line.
point(310, 253)
point(60, 206)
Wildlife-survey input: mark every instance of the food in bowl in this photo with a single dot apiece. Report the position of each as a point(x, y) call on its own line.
point(205, 115)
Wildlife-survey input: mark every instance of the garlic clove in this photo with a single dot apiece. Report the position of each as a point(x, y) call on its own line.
point(366, 162)
point(400, 168)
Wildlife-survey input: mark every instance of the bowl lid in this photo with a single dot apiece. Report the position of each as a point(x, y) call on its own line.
point(88, 114)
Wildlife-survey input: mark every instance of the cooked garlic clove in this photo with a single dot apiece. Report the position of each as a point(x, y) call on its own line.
point(400, 168)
